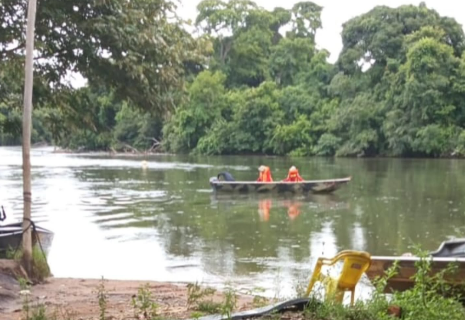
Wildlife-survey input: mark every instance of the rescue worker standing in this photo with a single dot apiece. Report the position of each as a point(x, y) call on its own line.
point(293, 175)
point(265, 174)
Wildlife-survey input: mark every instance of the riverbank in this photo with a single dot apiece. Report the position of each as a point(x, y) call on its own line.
point(141, 153)
point(79, 298)
point(430, 298)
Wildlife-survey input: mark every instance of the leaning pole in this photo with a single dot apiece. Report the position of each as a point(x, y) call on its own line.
point(27, 124)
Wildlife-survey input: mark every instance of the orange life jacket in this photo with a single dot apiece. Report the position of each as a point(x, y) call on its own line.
point(265, 176)
point(293, 176)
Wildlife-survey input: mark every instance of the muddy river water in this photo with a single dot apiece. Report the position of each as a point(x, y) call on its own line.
point(113, 218)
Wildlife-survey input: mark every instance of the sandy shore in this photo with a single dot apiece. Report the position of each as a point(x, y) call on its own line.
point(78, 298)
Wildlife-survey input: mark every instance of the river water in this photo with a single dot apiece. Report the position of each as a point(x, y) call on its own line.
point(113, 218)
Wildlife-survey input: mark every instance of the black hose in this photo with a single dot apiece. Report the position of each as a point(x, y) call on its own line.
point(299, 304)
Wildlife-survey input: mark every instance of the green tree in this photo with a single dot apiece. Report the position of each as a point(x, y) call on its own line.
point(379, 35)
point(424, 104)
point(255, 81)
point(206, 102)
point(306, 19)
point(289, 58)
point(137, 48)
point(295, 138)
point(255, 118)
point(219, 19)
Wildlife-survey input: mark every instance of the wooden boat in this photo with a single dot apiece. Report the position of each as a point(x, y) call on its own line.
point(311, 186)
point(11, 236)
point(451, 248)
point(449, 252)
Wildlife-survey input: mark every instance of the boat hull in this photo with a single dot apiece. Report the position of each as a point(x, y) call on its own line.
point(11, 237)
point(315, 186)
point(403, 279)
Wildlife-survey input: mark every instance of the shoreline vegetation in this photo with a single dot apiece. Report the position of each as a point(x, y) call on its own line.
point(142, 153)
point(247, 80)
point(163, 153)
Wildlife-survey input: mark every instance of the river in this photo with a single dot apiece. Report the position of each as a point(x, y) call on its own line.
point(113, 218)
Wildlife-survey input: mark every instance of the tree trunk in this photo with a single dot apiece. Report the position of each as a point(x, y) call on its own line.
point(27, 124)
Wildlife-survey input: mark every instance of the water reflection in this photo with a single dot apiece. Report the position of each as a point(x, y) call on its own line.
point(268, 203)
point(264, 207)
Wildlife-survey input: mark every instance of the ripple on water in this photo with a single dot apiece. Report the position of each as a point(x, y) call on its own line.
point(118, 222)
point(204, 190)
point(103, 217)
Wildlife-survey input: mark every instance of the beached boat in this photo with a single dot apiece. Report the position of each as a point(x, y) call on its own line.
point(311, 186)
point(11, 236)
point(449, 252)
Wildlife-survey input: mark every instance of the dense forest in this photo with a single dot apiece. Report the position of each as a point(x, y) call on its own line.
point(247, 81)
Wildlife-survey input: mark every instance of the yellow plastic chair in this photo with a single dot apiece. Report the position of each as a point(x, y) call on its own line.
point(355, 264)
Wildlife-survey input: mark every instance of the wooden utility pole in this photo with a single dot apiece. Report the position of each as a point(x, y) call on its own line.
point(27, 126)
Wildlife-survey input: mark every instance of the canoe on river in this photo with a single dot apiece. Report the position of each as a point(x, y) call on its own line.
point(311, 186)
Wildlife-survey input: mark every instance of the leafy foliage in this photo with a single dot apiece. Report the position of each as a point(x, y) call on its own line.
point(256, 83)
point(138, 50)
point(396, 89)
point(115, 42)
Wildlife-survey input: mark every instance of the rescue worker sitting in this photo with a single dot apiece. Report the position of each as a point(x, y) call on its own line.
point(293, 175)
point(265, 174)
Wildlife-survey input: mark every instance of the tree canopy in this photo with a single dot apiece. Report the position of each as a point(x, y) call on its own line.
point(137, 49)
point(254, 82)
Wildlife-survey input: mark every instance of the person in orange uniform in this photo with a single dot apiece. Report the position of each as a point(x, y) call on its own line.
point(265, 174)
point(293, 175)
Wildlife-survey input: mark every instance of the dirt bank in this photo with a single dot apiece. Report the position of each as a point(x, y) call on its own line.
point(78, 298)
